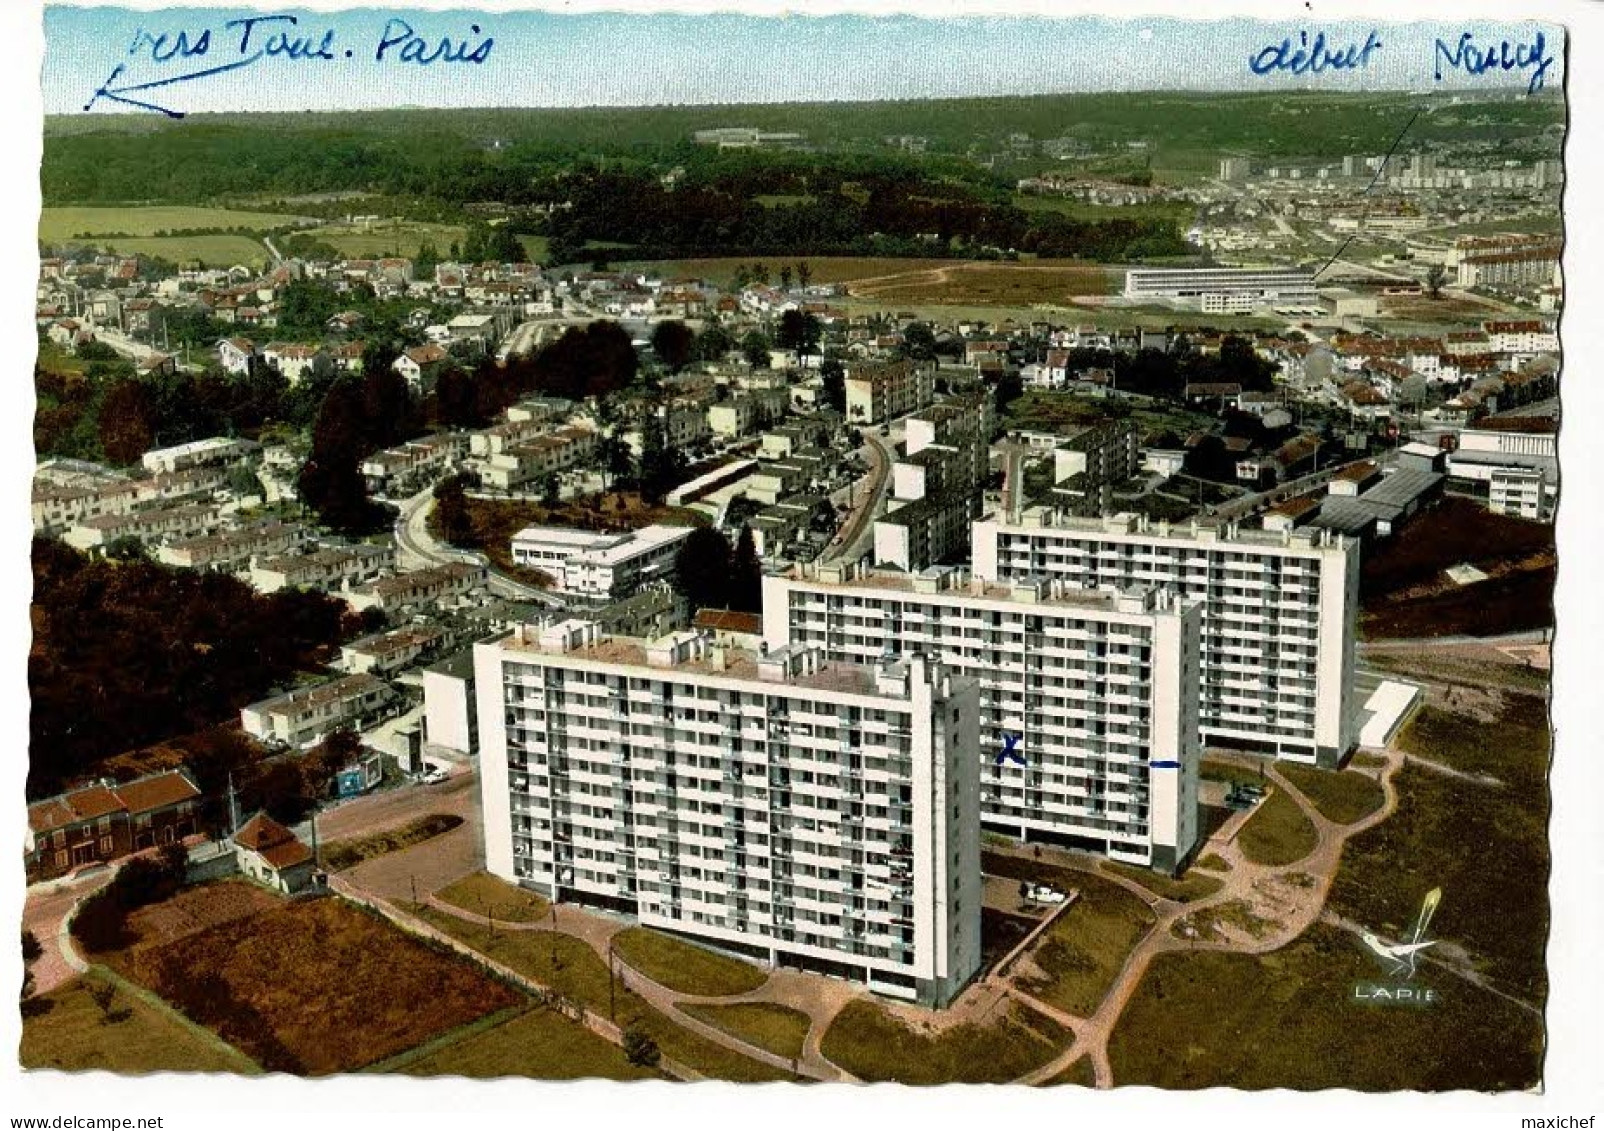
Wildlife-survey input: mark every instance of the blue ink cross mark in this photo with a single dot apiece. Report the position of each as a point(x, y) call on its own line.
point(1010, 750)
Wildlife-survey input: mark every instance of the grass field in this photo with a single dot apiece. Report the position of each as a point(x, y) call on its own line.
point(1277, 833)
point(1079, 956)
point(1340, 796)
point(685, 967)
point(1459, 739)
point(874, 1045)
point(986, 284)
point(580, 973)
point(1193, 886)
point(1080, 1074)
point(66, 223)
point(72, 1034)
point(341, 854)
point(1485, 845)
point(485, 894)
point(1285, 1019)
point(388, 237)
point(207, 250)
point(775, 1028)
point(539, 1044)
point(537, 248)
point(314, 987)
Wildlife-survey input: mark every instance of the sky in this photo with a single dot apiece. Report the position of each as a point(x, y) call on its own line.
point(551, 59)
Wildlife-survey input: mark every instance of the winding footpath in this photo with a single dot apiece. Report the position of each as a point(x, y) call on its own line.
point(1281, 896)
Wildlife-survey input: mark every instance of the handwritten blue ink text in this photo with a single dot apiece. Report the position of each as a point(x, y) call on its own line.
point(1313, 58)
point(1505, 56)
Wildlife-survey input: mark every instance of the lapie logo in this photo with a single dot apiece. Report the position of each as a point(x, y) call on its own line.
point(1402, 960)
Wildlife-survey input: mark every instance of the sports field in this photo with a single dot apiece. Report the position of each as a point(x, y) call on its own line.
point(57, 224)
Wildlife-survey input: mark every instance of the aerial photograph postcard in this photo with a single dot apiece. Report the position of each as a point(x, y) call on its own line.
point(831, 549)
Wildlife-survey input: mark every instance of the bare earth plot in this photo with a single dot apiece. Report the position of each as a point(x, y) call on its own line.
point(315, 986)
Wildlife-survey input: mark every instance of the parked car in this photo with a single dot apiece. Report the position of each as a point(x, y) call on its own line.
point(1041, 893)
point(434, 776)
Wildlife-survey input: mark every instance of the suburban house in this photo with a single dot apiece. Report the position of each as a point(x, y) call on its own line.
point(107, 821)
point(297, 362)
point(421, 366)
point(272, 855)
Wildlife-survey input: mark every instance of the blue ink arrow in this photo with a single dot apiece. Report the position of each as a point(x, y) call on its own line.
point(116, 93)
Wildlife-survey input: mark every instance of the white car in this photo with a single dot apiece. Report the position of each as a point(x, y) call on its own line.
point(435, 776)
point(1043, 894)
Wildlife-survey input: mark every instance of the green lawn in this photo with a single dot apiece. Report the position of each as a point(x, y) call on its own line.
point(1177, 212)
point(685, 967)
point(1086, 946)
point(1342, 796)
point(872, 1044)
point(485, 894)
point(69, 222)
point(1080, 1073)
point(540, 1044)
point(1285, 1019)
point(581, 974)
point(388, 237)
point(1277, 833)
point(1517, 754)
point(778, 1029)
point(1486, 847)
point(74, 1035)
point(537, 248)
point(1192, 886)
point(207, 250)
point(1214, 862)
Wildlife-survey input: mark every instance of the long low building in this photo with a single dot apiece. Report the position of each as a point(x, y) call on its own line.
point(327, 568)
point(1221, 290)
point(806, 813)
point(300, 718)
point(436, 585)
point(1088, 700)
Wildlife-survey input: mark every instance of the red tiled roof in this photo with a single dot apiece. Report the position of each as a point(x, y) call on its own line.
point(272, 842)
point(729, 620)
point(158, 792)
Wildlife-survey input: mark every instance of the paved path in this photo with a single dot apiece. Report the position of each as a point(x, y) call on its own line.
point(1289, 897)
point(416, 548)
point(45, 910)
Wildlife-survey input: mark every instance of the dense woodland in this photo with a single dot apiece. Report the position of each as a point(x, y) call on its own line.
point(130, 652)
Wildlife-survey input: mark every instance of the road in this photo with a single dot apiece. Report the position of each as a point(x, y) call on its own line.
point(857, 533)
point(416, 548)
point(44, 910)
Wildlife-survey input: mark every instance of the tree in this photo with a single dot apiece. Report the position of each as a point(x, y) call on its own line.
point(755, 348)
point(702, 569)
point(799, 331)
point(785, 277)
point(451, 510)
point(1436, 276)
point(713, 343)
point(127, 422)
point(804, 274)
point(661, 463)
point(746, 574)
point(550, 489)
point(674, 344)
point(919, 342)
point(834, 375)
point(617, 460)
point(639, 1048)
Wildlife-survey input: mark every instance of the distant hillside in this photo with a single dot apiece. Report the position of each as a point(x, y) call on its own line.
point(126, 157)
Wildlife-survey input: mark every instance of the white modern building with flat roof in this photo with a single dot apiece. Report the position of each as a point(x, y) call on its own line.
point(598, 565)
point(1220, 290)
point(1280, 614)
point(1088, 701)
point(806, 813)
